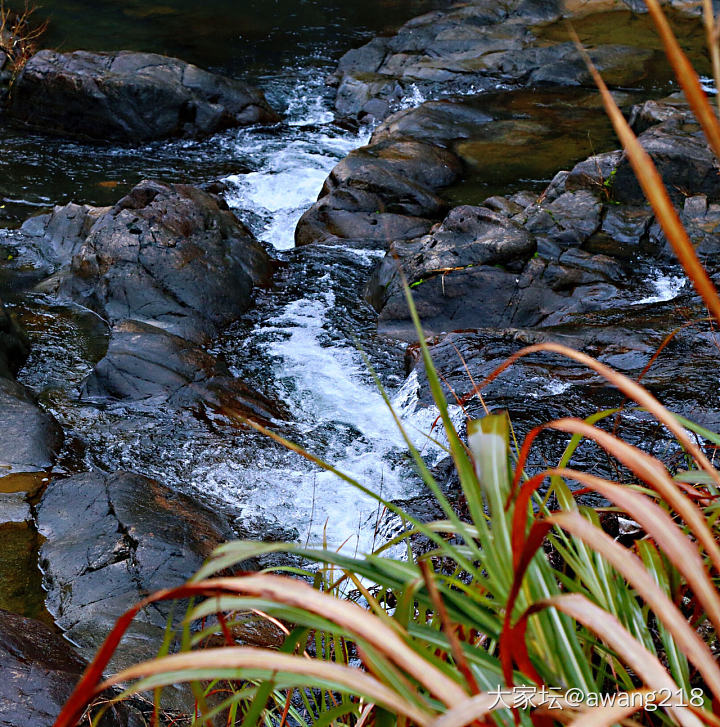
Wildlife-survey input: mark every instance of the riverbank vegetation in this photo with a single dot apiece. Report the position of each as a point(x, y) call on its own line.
point(527, 607)
point(19, 34)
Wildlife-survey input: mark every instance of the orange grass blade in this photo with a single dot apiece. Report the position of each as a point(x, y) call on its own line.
point(611, 715)
point(85, 690)
point(652, 472)
point(655, 192)
point(659, 525)
point(281, 590)
point(645, 664)
point(239, 657)
point(448, 627)
point(686, 75)
point(356, 620)
point(470, 710)
point(632, 569)
point(680, 549)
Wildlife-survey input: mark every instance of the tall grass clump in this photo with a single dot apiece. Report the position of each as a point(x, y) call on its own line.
point(480, 626)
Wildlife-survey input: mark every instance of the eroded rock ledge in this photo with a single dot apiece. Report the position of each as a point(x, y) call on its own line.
point(112, 539)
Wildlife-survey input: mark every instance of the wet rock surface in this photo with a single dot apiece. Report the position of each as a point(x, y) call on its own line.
point(386, 190)
point(169, 255)
point(167, 268)
point(420, 160)
point(477, 46)
point(130, 97)
point(147, 365)
point(30, 437)
point(586, 243)
point(38, 671)
point(112, 539)
point(545, 386)
point(14, 346)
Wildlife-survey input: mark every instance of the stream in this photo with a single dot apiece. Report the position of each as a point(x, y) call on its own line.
point(308, 342)
point(299, 344)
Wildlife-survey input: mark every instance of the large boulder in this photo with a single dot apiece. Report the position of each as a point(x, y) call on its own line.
point(167, 268)
point(170, 255)
point(130, 97)
point(109, 541)
point(468, 238)
point(38, 672)
point(480, 269)
point(385, 191)
point(30, 438)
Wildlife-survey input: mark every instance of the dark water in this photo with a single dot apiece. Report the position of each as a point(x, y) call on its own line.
point(248, 37)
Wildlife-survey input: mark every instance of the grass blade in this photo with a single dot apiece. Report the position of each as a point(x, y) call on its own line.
point(645, 664)
point(193, 665)
point(633, 570)
point(685, 73)
point(654, 189)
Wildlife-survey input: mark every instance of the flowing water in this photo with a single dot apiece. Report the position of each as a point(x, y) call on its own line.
point(298, 345)
point(300, 342)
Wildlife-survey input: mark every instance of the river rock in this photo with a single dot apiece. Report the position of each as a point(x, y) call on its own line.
point(382, 192)
point(151, 367)
point(38, 672)
point(480, 269)
point(469, 237)
point(681, 153)
point(167, 268)
point(30, 437)
point(57, 235)
point(110, 540)
point(543, 386)
point(476, 46)
point(170, 255)
point(434, 122)
point(675, 142)
point(130, 97)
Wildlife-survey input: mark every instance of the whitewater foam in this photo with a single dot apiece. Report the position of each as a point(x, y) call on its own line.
point(667, 287)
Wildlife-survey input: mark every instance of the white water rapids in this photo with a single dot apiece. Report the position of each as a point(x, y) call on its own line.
point(322, 377)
